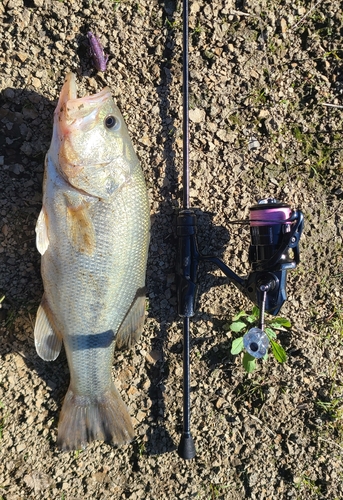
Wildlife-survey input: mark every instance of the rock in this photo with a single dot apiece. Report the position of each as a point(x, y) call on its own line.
point(283, 25)
point(22, 56)
point(197, 115)
point(253, 144)
point(36, 82)
point(154, 356)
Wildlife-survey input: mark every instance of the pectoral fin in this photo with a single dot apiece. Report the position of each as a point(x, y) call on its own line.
point(48, 344)
point(42, 240)
point(132, 326)
point(81, 229)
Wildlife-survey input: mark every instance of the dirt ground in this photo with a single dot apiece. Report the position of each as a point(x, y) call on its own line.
point(260, 72)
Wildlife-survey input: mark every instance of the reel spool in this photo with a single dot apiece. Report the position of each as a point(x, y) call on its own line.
point(275, 230)
point(272, 236)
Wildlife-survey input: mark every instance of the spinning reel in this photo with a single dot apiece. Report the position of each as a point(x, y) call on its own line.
point(275, 232)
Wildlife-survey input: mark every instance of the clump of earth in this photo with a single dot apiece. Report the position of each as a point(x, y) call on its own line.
point(266, 97)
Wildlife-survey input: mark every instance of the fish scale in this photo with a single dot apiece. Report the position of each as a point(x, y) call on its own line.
point(93, 234)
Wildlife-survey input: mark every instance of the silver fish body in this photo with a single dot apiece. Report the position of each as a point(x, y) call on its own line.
point(93, 233)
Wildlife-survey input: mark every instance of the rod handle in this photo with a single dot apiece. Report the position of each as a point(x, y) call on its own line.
point(187, 263)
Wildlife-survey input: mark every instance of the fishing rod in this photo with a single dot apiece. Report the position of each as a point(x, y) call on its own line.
point(187, 261)
point(275, 231)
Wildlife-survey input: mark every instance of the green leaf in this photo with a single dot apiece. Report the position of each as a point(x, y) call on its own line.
point(255, 312)
point(278, 327)
point(241, 314)
point(278, 351)
point(270, 333)
point(251, 319)
point(237, 326)
point(249, 362)
point(237, 346)
point(281, 322)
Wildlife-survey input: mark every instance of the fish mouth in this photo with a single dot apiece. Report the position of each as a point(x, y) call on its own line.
point(77, 112)
point(75, 119)
point(69, 89)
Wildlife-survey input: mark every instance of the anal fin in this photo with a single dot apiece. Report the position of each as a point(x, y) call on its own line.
point(132, 326)
point(48, 344)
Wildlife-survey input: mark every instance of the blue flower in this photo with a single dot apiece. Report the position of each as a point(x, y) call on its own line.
point(256, 342)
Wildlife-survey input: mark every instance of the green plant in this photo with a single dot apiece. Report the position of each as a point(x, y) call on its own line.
point(307, 483)
point(208, 54)
point(258, 96)
point(333, 53)
point(142, 449)
point(77, 454)
point(197, 30)
point(214, 491)
point(332, 407)
point(337, 321)
point(245, 321)
point(174, 24)
point(116, 4)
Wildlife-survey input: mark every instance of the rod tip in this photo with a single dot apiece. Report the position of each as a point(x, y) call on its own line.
point(186, 449)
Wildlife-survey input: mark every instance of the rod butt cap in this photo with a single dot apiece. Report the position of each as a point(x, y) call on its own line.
point(186, 449)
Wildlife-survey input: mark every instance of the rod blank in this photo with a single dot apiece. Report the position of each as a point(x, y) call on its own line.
point(186, 447)
point(185, 127)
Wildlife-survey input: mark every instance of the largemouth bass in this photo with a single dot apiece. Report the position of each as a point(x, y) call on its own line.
point(93, 235)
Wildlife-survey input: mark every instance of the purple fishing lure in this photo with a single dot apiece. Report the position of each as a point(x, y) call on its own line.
point(97, 52)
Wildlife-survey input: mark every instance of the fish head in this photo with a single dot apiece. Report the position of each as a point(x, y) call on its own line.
point(91, 147)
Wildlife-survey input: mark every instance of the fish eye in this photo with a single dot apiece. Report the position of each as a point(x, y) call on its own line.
point(110, 121)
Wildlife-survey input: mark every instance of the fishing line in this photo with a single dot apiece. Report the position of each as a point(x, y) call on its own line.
point(263, 40)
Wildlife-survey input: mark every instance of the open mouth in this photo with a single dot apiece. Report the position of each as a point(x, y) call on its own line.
point(71, 109)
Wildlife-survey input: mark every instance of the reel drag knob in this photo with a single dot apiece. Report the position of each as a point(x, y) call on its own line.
point(256, 342)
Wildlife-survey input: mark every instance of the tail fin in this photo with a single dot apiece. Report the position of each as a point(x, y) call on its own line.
point(84, 419)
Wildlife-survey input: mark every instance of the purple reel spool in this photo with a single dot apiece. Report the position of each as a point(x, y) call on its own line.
point(270, 221)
